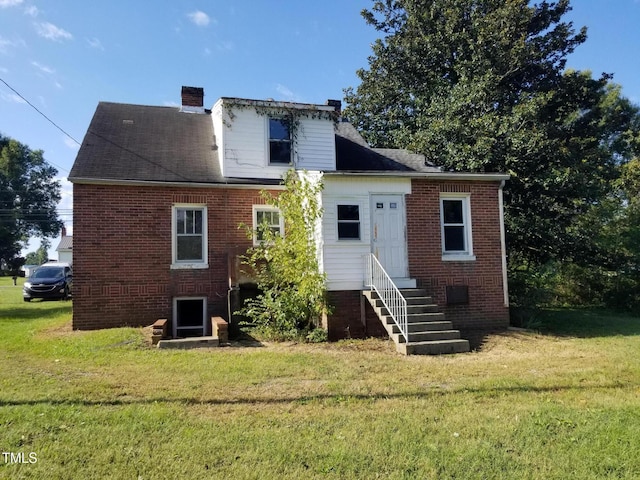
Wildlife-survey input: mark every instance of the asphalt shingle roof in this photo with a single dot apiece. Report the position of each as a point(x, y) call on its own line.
point(144, 143)
point(353, 154)
point(66, 243)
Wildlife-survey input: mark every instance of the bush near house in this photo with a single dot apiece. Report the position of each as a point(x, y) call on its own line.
point(292, 290)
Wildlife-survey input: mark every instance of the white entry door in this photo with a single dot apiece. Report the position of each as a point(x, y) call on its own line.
point(389, 241)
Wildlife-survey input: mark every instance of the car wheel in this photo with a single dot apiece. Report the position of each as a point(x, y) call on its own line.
point(66, 293)
point(26, 299)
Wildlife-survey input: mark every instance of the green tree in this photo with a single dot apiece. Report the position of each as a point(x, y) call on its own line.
point(612, 274)
point(292, 295)
point(480, 85)
point(40, 256)
point(28, 197)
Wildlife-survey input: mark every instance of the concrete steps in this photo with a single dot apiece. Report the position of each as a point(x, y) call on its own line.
point(429, 332)
point(190, 342)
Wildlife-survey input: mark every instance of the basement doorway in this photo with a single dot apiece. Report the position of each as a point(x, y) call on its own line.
point(190, 316)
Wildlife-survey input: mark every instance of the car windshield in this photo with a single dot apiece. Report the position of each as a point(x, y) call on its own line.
point(48, 272)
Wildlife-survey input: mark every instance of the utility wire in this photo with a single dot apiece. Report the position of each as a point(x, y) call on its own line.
point(41, 113)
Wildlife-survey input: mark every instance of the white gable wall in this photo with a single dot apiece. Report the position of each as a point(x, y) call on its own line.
point(243, 143)
point(315, 145)
point(344, 260)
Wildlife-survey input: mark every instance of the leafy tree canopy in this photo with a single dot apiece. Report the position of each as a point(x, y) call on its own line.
point(481, 85)
point(28, 197)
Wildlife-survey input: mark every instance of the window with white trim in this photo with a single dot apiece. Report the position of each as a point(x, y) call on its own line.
point(455, 218)
point(348, 222)
point(279, 141)
point(189, 236)
point(266, 217)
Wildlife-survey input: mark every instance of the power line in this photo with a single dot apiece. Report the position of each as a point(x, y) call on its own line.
point(41, 113)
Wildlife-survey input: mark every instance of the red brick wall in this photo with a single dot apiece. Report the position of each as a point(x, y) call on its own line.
point(122, 256)
point(346, 319)
point(486, 309)
point(122, 252)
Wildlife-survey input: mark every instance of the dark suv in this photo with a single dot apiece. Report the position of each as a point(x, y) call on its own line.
point(51, 280)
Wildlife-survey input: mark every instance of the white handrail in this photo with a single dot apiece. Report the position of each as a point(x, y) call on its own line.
point(377, 279)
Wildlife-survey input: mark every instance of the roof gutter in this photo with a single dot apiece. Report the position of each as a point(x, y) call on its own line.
point(152, 183)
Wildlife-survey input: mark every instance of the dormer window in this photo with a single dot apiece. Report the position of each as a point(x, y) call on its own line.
point(279, 141)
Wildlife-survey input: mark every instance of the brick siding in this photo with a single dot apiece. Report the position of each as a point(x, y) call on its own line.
point(122, 257)
point(122, 252)
point(346, 318)
point(485, 310)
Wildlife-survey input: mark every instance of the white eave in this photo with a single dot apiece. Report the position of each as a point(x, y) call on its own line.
point(274, 104)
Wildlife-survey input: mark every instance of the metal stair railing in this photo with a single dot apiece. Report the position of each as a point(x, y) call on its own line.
point(377, 279)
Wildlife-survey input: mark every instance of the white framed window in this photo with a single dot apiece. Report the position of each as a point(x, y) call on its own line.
point(455, 222)
point(279, 141)
point(348, 222)
point(189, 317)
point(189, 236)
point(269, 217)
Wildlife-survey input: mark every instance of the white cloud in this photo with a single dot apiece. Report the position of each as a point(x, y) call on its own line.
point(43, 68)
point(9, 3)
point(51, 32)
point(32, 11)
point(199, 18)
point(287, 93)
point(71, 143)
point(95, 43)
point(11, 98)
point(6, 44)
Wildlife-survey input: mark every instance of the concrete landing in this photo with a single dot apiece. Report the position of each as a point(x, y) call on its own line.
point(191, 342)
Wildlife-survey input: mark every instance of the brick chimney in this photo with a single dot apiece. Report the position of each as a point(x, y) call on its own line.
point(336, 104)
point(192, 99)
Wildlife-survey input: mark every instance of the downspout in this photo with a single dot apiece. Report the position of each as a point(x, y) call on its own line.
point(503, 245)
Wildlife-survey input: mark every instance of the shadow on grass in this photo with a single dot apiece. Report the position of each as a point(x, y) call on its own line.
point(21, 314)
point(587, 323)
point(327, 397)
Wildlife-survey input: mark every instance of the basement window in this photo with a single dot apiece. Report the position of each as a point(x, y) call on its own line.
point(189, 314)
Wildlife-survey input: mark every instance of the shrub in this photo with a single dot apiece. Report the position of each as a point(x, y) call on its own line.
point(293, 294)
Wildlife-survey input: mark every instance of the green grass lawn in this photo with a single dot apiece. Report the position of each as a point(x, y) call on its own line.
point(563, 403)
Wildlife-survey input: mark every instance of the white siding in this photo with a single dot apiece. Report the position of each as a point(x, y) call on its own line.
point(343, 260)
point(316, 145)
point(243, 143)
point(245, 146)
point(65, 256)
point(218, 132)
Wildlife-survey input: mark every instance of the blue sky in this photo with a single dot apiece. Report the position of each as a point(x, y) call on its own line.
point(66, 56)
